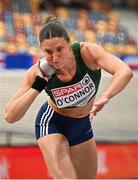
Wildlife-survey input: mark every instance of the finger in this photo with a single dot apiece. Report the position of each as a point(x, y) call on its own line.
point(92, 115)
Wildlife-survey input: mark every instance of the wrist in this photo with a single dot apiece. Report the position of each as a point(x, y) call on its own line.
point(105, 95)
point(39, 84)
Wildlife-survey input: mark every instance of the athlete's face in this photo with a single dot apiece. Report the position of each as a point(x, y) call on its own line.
point(57, 52)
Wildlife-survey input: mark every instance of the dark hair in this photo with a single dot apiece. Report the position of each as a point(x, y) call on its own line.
point(53, 27)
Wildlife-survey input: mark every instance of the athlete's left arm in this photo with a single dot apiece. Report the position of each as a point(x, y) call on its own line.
point(113, 65)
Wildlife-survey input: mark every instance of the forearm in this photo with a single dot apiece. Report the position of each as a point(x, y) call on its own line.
point(16, 108)
point(118, 83)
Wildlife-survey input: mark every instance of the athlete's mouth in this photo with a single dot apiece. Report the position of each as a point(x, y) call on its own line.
point(57, 63)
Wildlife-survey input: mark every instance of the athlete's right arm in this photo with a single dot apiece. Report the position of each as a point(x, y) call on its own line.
point(18, 105)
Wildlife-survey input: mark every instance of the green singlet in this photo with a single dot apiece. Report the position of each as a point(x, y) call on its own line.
point(80, 90)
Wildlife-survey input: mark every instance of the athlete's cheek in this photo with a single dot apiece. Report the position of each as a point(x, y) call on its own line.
point(65, 57)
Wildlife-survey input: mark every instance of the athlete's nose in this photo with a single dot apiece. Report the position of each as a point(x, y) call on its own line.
point(55, 57)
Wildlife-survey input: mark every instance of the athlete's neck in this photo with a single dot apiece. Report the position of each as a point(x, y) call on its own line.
point(67, 73)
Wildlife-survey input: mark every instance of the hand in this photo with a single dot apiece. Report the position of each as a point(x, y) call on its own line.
point(98, 105)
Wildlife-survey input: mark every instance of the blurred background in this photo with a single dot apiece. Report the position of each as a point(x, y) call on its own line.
point(110, 23)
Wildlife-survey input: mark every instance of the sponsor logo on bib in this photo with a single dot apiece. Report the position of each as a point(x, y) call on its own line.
point(74, 95)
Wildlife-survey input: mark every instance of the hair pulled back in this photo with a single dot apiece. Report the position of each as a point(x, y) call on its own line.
point(53, 27)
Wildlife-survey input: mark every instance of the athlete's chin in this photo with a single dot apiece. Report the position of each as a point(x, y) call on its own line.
point(58, 66)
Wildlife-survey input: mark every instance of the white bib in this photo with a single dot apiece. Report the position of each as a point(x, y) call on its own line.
point(74, 95)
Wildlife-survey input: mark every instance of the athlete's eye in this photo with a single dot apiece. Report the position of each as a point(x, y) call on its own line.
point(49, 51)
point(59, 49)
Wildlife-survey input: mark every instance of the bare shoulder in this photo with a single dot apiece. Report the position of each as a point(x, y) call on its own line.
point(30, 75)
point(94, 54)
point(90, 52)
point(31, 69)
point(92, 49)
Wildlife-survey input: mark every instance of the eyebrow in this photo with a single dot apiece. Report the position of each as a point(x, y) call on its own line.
point(59, 46)
point(48, 50)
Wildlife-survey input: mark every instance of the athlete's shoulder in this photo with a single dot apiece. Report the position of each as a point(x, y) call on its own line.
point(92, 49)
point(89, 53)
point(32, 68)
point(30, 73)
point(86, 45)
